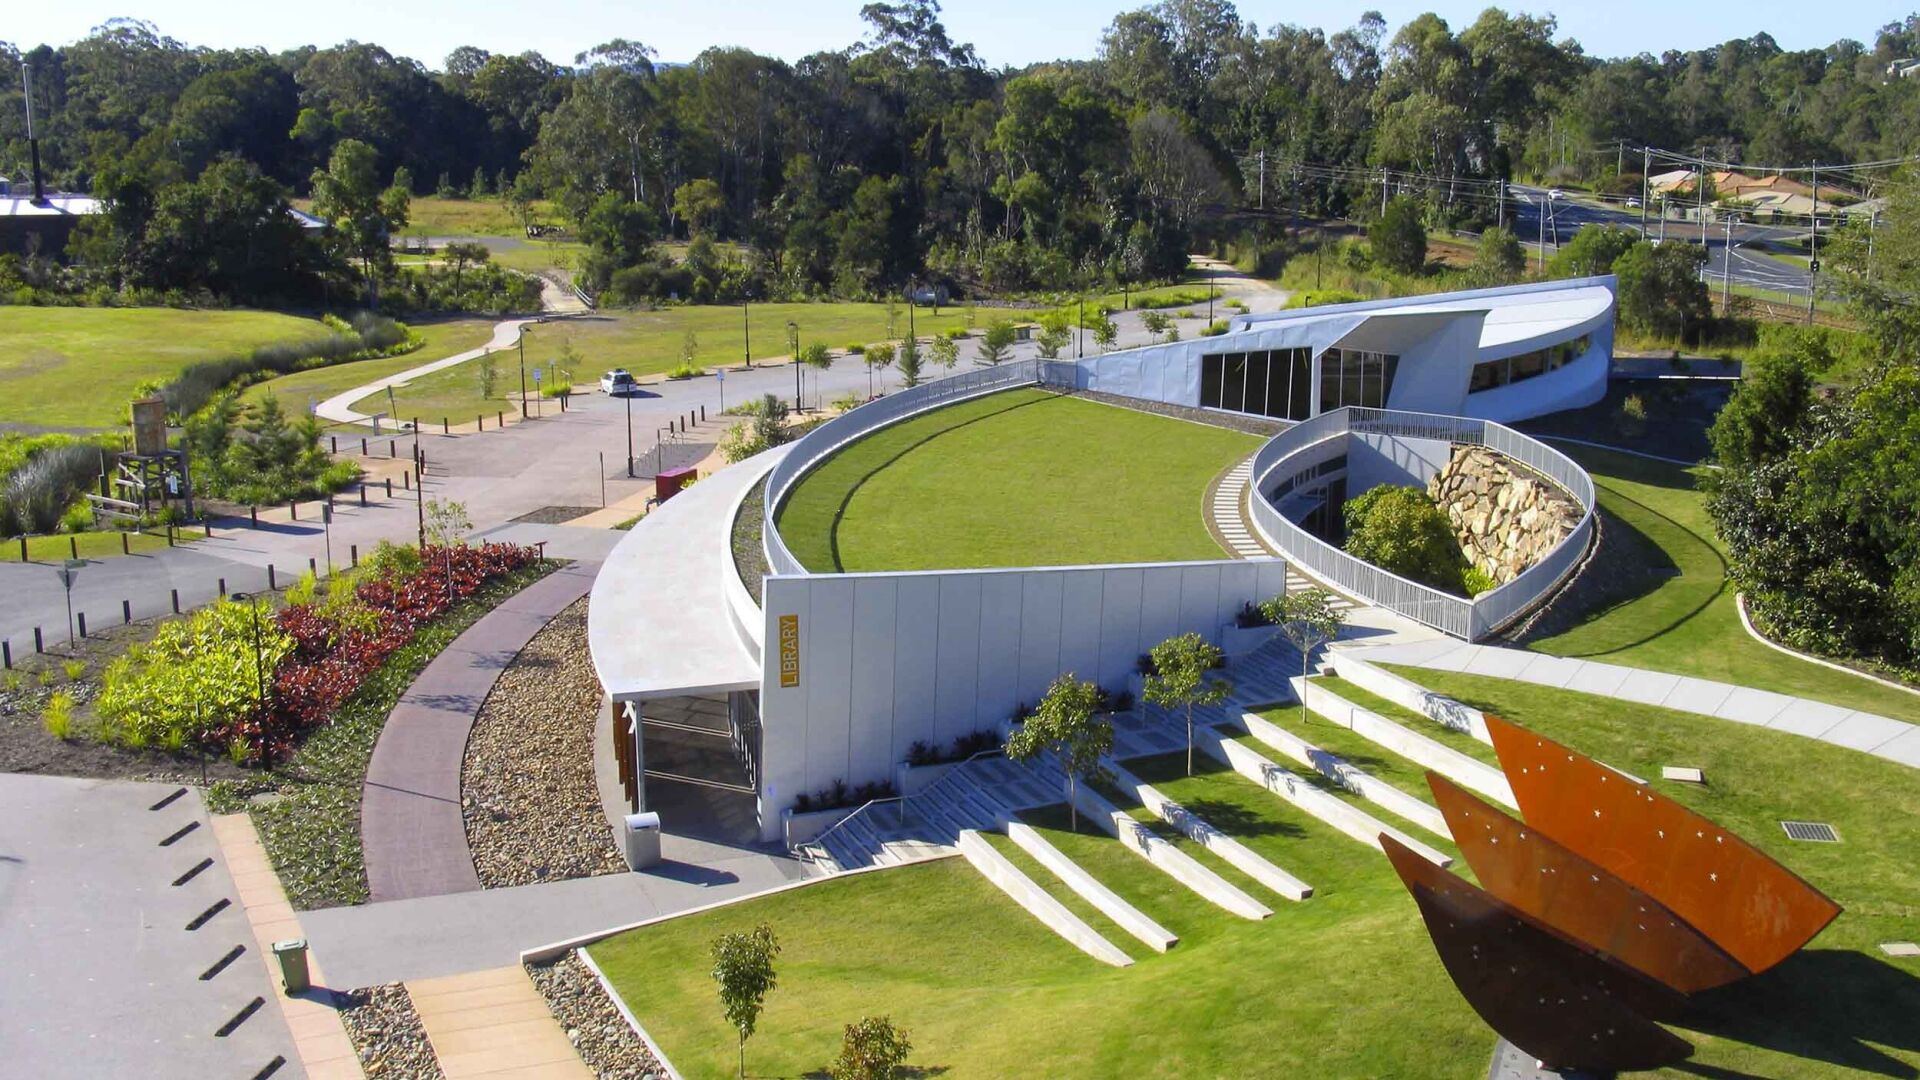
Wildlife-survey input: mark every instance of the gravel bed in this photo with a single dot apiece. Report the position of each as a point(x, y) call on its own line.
point(749, 550)
point(607, 1043)
point(527, 787)
point(387, 1036)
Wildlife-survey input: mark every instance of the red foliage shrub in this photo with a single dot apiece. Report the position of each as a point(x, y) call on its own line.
point(332, 658)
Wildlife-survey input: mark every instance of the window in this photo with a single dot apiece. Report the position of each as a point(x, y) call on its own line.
point(1272, 383)
point(1353, 377)
point(1512, 369)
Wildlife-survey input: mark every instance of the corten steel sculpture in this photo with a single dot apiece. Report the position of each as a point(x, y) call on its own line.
point(1578, 899)
point(1753, 908)
point(1554, 1000)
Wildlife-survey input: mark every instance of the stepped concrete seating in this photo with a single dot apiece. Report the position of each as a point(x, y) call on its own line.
point(1338, 770)
point(1343, 816)
point(1009, 878)
point(1196, 829)
point(1182, 867)
point(1466, 771)
point(1088, 888)
point(1439, 708)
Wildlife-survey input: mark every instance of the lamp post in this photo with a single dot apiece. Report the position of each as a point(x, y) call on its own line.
point(628, 395)
point(746, 332)
point(793, 346)
point(521, 344)
point(259, 671)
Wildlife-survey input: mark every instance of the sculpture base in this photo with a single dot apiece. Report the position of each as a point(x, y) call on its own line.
point(1512, 1063)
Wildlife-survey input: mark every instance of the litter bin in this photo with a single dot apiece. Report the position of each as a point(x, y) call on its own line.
point(643, 840)
point(292, 956)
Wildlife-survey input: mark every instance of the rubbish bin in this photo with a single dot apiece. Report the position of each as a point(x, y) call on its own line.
point(643, 840)
point(292, 956)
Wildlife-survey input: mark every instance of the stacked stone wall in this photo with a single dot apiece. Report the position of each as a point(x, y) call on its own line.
point(1505, 516)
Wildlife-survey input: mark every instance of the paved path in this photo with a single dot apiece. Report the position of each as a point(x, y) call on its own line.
point(339, 409)
point(1871, 733)
point(432, 936)
point(411, 831)
point(494, 1024)
point(106, 965)
point(1229, 512)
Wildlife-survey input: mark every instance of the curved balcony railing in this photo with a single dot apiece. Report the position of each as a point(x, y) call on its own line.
point(821, 443)
point(1469, 619)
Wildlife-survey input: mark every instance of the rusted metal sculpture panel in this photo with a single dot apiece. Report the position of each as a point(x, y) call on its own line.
point(1550, 998)
point(1752, 907)
point(1552, 884)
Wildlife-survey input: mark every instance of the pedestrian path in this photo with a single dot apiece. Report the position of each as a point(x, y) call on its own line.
point(1867, 732)
point(411, 830)
point(339, 408)
point(493, 1023)
point(1229, 512)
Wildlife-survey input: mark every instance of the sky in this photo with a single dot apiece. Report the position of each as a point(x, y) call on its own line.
point(1006, 32)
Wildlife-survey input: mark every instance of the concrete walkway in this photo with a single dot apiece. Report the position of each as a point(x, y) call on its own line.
point(1870, 733)
point(495, 1024)
point(411, 832)
point(432, 936)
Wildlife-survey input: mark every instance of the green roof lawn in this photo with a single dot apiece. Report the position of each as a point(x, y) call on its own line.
point(1019, 478)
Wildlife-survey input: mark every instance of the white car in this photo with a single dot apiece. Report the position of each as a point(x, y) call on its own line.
point(618, 381)
point(1633, 203)
point(1556, 193)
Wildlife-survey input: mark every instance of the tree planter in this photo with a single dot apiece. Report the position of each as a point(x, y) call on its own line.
point(1237, 641)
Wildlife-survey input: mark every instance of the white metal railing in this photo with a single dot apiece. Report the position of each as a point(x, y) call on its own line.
point(1469, 619)
point(822, 442)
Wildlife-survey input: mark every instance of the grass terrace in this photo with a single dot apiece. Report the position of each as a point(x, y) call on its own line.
point(77, 367)
point(1019, 478)
point(1345, 984)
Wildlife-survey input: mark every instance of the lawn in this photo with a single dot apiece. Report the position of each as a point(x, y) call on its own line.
point(78, 367)
point(102, 544)
point(1344, 984)
point(1687, 624)
point(1021, 478)
point(441, 340)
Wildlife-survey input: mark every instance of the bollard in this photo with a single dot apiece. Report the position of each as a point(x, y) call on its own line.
point(176, 601)
point(391, 452)
point(406, 479)
point(363, 493)
point(82, 616)
point(223, 587)
point(6, 653)
point(363, 449)
point(499, 419)
point(353, 554)
point(445, 428)
point(270, 582)
point(23, 549)
point(124, 549)
point(126, 611)
point(207, 526)
point(169, 535)
point(253, 515)
point(293, 510)
point(73, 546)
point(480, 422)
point(703, 414)
point(313, 567)
point(389, 483)
point(38, 645)
point(333, 444)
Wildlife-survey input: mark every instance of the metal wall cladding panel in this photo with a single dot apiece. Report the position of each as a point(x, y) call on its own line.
point(1543, 995)
point(1755, 909)
point(1552, 884)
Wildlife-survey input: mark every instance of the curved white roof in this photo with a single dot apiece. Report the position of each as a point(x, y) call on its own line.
point(1514, 314)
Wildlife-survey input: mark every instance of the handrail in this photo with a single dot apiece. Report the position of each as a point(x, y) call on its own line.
point(821, 840)
point(905, 801)
point(820, 443)
point(1470, 619)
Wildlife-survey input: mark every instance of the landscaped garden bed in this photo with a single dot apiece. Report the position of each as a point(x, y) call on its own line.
point(604, 1039)
point(387, 1035)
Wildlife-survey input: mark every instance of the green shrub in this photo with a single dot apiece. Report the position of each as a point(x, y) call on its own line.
point(872, 1049)
point(74, 669)
point(40, 489)
point(1214, 328)
point(390, 561)
point(198, 672)
point(77, 519)
point(1398, 239)
point(1401, 531)
point(1476, 581)
point(1306, 298)
point(856, 349)
point(57, 717)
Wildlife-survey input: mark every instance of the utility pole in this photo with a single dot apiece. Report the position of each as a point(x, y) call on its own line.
point(1500, 215)
point(1872, 220)
point(1700, 201)
point(1726, 271)
point(33, 142)
point(1813, 246)
point(1646, 191)
point(521, 342)
point(1383, 191)
point(1541, 213)
point(1619, 155)
point(746, 332)
point(1263, 178)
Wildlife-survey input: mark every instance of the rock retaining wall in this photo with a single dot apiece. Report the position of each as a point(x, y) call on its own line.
point(1505, 516)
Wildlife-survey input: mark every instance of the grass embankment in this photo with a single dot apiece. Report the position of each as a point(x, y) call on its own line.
point(310, 824)
point(1687, 623)
point(78, 367)
point(1022, 478)
point(441, 340)
point(1344, 984)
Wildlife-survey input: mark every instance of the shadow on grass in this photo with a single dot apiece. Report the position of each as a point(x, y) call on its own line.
point(1825, 1005)
point(1237, 820)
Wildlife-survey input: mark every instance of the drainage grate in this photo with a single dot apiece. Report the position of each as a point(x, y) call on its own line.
point(1817, 831)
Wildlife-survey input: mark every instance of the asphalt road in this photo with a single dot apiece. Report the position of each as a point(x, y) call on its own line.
point(1748, 265)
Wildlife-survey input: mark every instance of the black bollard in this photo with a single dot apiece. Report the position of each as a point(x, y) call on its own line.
point(38, 645)
point(353, 553)
point(253, 515)
point(223, 588)
point(6, 653)
point(82, 616)
point(126, 611)
point(270, 582)
point(176, 601)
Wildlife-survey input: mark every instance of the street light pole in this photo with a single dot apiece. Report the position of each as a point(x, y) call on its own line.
point(521, 342)
point(1726, 272)
point(629, 399)
point(793, 344)
point(746, 332)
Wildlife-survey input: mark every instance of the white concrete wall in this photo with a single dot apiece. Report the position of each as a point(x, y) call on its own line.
point(890, 659)
point(1575, 386)
point(1373, 460)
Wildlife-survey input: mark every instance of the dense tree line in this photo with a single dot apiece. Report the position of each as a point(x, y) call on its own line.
point(904, 157)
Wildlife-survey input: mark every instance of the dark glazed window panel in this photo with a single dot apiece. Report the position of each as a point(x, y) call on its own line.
point(1258, 365)
point(1233, 382)
point(1300, 384)
point(1330, 380)
point(1389, 367)
point(1210, 381)
point(1527, 365)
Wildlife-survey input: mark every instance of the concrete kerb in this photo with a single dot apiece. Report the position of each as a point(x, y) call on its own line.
point(1415, 747)
point(620, 1004)
point(1358, 781)
point(1740, 605)
point(1182, 867)
point(1105, 900)
point(1196, 829)
point(1022, 890)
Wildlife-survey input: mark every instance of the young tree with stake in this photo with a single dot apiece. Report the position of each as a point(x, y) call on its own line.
point(1066, 724)
point(1182, 678)
point(743, 966)
point(1309, 620)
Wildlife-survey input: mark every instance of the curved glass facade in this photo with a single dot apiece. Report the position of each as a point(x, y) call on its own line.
point(1512, 369)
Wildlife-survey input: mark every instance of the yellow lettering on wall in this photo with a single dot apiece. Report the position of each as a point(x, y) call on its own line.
point(789, 651)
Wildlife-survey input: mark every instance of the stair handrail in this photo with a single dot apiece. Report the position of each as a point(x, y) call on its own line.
point(820, 840)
